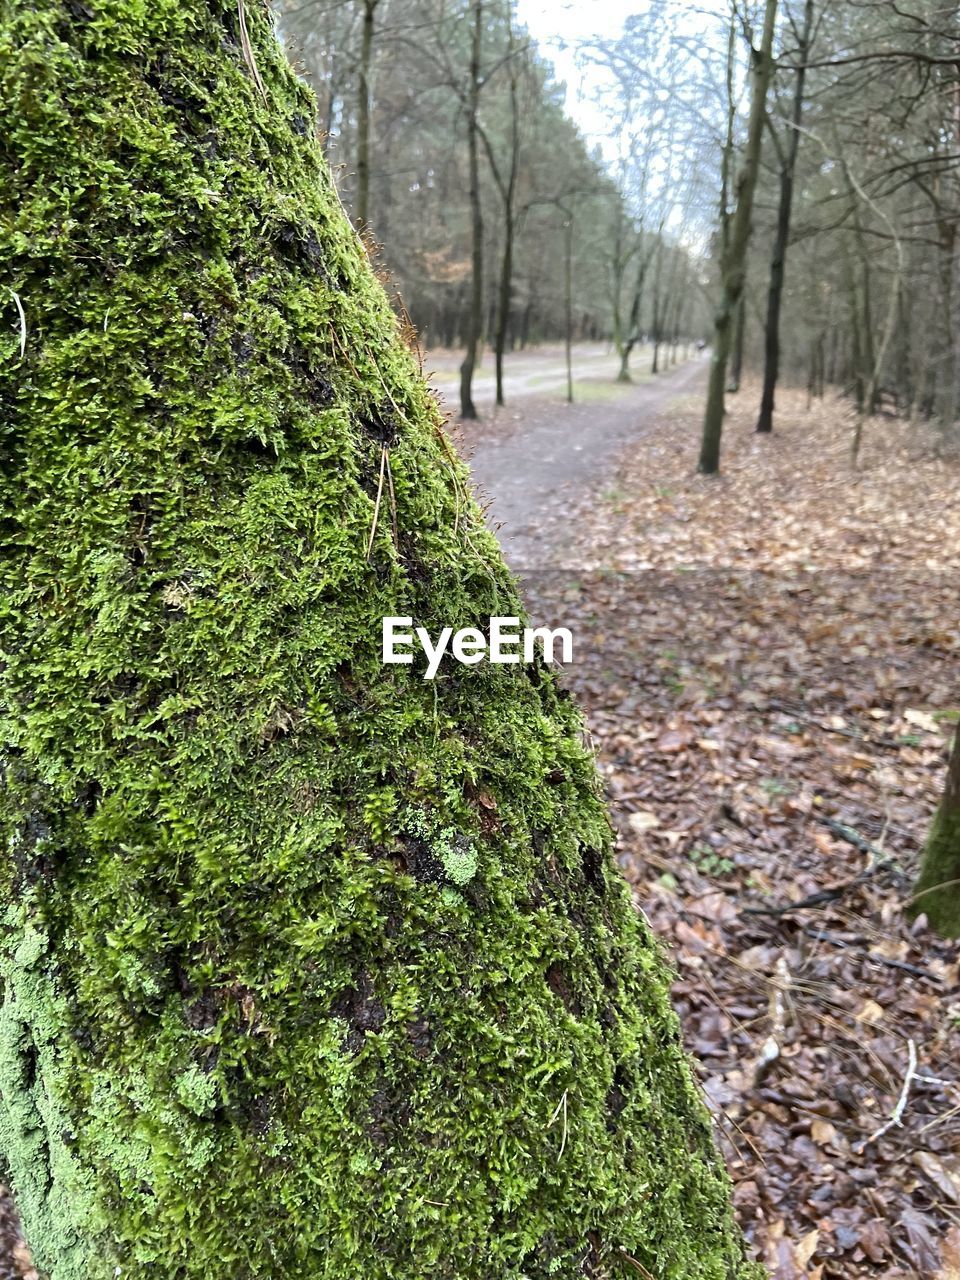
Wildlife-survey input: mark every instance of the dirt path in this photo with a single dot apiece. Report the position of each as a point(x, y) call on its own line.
point(538, 371)
point(549, 453)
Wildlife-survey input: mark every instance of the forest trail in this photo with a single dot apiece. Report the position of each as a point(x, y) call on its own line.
point(547, 457)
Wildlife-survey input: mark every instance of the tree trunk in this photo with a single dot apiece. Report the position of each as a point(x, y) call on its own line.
point(937, 892)
point(309, 966)
point(503, 306)
point(657, 316)
point(778, 262)
point(733, 265)
point(736, 354)
point(636, 303)
point(568, 300)
point(508, 189)
point(475, 315)
point(856, 343)
point(363, 114)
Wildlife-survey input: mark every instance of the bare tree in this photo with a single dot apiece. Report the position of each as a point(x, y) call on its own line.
point(787, 156)
point(475, 310)
point(363, 113)
point(734, 252)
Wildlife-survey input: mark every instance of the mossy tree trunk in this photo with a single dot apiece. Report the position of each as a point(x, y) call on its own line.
point(309, 967)
point(937, 892)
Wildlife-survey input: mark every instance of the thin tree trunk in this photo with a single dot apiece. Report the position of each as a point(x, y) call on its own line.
point(508, 194)
point(568, 300)
point(739, 337)
point(475, 315)
point(658, 304)
point(503, 305)
point(869, 344)
point(733, 266)
point(636, 305)
point(778, 263)
point(363, 114)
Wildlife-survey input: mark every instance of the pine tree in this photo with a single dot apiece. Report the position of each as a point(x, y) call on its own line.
point(310, 967)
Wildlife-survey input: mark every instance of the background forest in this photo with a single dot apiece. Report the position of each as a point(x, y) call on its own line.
point(454, 150)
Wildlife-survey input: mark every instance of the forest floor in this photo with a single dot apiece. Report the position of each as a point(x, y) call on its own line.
point(768, 663)
point(533, 458)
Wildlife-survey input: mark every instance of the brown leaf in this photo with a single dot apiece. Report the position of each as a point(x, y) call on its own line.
point(944, 1174)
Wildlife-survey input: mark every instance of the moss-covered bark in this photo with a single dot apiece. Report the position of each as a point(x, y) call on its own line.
point(937, 891)
point(309, 968)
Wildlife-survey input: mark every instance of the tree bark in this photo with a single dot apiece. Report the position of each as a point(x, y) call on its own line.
point(658, 304)
point(363, 114)
point(568, 299)
point(309, 966)
point(627, 343)
point(475, 315)
point(733, 264)
point(739, 337)
point(778, 262)
point(508, 189)
point(937, 891)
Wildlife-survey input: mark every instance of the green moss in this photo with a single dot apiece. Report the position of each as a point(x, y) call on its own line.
point(937, 891)
point(305, 952)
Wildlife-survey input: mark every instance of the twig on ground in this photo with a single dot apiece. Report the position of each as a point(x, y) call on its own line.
point(821, 935)
point(770, 1050)
point(880, 862)
point(897, 1117)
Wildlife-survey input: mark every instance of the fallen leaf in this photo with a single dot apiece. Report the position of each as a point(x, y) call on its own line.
point(950, 1250)
point(870, 1012)
point(921, 720)
point(822, 1132)
point(943, 1174)
point(643, 820)
point(807, 1247)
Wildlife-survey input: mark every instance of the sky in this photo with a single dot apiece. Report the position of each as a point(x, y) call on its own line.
point(557, 25)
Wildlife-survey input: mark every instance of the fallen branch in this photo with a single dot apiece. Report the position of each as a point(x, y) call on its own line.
point(880, 862)
point(821, 935)
point(897, 1117)
point(770, 1050)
